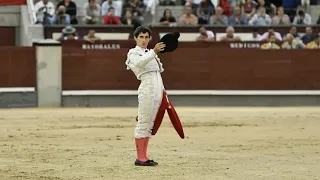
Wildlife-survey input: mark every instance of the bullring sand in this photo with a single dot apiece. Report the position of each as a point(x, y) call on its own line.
point(220, 143)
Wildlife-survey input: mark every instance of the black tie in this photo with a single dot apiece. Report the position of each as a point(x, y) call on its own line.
point(146, 51)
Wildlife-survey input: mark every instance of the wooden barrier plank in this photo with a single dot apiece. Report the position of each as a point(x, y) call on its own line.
point(208, 68)
point(17, 67)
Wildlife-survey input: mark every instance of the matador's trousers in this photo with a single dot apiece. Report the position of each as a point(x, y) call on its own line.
point(149, 96)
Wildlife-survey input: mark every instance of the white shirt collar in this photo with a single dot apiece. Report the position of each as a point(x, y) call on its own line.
point(142, 49)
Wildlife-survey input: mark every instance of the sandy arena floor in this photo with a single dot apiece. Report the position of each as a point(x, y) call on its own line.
point(221, 143)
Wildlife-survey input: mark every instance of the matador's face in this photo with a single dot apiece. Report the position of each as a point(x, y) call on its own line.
point(142, 40)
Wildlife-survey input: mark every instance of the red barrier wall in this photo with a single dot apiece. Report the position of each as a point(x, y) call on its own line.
point(12, 2)
point(8, 36)
point(207, 67)
point(17, 67)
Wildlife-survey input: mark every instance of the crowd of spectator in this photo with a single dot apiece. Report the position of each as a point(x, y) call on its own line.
point(196, 12)
point(225, 12)
point(290, 40)
point(247, 12)
point(93, 12)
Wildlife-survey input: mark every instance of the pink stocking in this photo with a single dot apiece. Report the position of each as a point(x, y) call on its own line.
point(140, 146)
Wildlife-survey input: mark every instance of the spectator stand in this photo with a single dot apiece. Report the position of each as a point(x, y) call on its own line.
point(178, 6)
point(187, 33)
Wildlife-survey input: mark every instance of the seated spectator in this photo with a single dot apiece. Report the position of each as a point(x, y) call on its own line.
point(137, 8)
point(309, 36)
point(281, 18)
point(271, 44)
point(205, 35)
point(44, 11)
point(193, 5)
point(204, 11)
point(91, 37)
point(91, 12)
point(110, 3)
point(293, 31)
point(68, 33)
point(269, 7)
point(254, 36)
point(270, 32)
point(167, 18)
point(219, 18)
point(249, 8)
point(238, 18)
point(302, 18)
point(230, 35)
point(129, 20)
point(61, 17)
point(224, 4)
point(71, 10)
point(151, 5)
point(188, 18)
point(261, 18)
point(292, 43)
point(110, 18)
point(315, 44)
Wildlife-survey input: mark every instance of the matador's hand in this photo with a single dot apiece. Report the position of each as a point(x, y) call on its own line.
point(159, 47)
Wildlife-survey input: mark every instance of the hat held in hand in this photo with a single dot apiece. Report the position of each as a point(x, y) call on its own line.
point(171, 42)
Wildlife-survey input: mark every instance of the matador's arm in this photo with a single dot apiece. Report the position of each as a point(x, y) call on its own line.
point(140, 60)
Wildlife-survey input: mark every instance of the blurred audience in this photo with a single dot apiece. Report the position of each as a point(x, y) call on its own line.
point(137, 8)
point(61, 17)
point(261, 18)
point(254, 36)
point(204, 11)
point(270, 32)
point(271, 44)
point(219, 18)
point(110, 18)
point(205, 35)
point(315, 44)
point(249, 8)
point(108, 4)
point(229, 13)
point(188, 18)
point(238, 18)
point(224, 4)
point(302, 18)
point(309, 36)
point(91, 11)
point(128, 19)
point(292, 43)
point(71, 10)
point(167, 18)
point(91, 37)
point(44, 11)
point(230, 35)
point(281, 18)
point(69, 33)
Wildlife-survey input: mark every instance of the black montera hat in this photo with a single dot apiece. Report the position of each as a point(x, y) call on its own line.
point(171, 41)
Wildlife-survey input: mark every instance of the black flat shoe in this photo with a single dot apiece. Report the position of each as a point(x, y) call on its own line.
point(153, 162)
point(146, 163)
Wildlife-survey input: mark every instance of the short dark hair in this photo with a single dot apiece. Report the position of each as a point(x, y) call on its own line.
point(110, 9)
point(141, 29)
